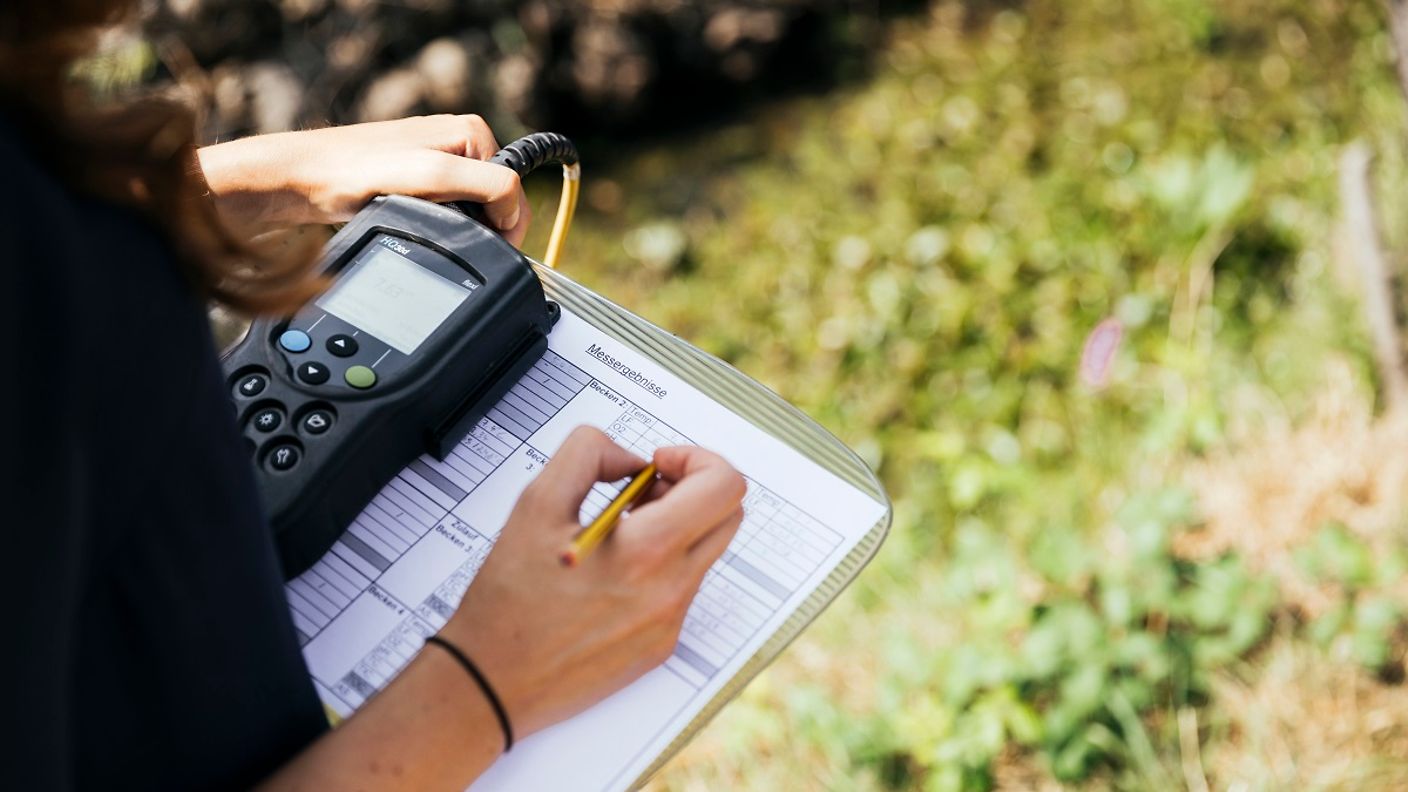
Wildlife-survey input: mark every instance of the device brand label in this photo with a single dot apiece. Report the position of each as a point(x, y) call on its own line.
point(396, 246)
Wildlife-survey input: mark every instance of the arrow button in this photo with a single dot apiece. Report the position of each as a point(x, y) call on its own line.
point(342, 345)
point(313, 373)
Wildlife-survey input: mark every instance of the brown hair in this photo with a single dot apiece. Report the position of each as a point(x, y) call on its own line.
point(139, 154)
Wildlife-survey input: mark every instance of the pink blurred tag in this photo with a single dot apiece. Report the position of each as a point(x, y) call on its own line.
point(1098, 357)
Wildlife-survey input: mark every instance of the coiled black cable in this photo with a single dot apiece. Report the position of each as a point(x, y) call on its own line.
point(531, 152)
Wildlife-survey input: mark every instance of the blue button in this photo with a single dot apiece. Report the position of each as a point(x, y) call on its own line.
point(295, 341)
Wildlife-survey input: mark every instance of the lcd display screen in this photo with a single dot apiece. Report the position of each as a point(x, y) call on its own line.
point(393, 298)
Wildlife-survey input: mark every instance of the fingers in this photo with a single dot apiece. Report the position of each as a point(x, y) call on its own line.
point(470, 136)
point(704, 490)
point(655, 491)
point(461, 135)
point(479, 138)
point(707, 550)
point(515, 235)
point(503, 200)
point(440, 176)
point(438, 158)
point(588, 456)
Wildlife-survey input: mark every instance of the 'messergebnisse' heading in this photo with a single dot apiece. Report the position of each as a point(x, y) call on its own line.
point(626, 371)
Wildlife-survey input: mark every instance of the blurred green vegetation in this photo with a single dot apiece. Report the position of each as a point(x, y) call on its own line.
point(916, 260)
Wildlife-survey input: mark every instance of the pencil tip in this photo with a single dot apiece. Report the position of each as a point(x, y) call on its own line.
point(568, 558)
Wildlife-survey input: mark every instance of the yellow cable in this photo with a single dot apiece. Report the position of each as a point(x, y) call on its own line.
point(566, 207)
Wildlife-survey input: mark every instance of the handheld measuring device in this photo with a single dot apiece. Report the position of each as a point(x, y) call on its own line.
point(429, 318)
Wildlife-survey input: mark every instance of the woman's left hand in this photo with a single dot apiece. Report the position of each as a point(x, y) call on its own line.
point(326, 175)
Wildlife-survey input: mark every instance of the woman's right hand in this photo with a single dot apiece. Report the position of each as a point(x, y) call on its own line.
point(554, 640)
point(551, 640)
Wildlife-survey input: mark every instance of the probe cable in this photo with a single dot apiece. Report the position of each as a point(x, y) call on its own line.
point(530, 152)
point(566, 208)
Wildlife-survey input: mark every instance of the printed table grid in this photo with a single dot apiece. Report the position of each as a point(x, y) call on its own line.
point(778, 545)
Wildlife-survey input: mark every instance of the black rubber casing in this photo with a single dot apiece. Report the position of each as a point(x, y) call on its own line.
point(428, 402)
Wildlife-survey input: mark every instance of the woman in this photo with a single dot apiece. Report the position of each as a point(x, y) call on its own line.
point(150, 643)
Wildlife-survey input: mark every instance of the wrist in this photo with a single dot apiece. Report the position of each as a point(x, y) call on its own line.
point(254, 187)
point(428, 729)
point(455, 704)
point(512, 681)
point(485, 687)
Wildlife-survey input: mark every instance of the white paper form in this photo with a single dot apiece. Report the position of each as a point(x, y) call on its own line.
point(397, 574)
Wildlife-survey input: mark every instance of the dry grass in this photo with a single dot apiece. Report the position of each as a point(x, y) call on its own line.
point(1299, 716)
point(1278, 482)
point(1305, 719)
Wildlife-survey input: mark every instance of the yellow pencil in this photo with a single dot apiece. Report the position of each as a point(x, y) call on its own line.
point(588, 538)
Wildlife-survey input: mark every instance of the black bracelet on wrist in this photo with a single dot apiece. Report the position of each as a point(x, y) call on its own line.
point(478, 676)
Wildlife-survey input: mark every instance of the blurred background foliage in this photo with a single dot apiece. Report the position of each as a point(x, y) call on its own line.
point(907, 220)
point(915, 257)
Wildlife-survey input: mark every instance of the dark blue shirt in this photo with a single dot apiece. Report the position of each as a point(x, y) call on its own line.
point(148, 642)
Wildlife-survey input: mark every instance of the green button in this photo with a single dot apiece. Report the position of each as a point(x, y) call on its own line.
point(360, 377)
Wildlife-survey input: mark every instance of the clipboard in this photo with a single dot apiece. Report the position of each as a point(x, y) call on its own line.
point(364, 609)
point(770, 413)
